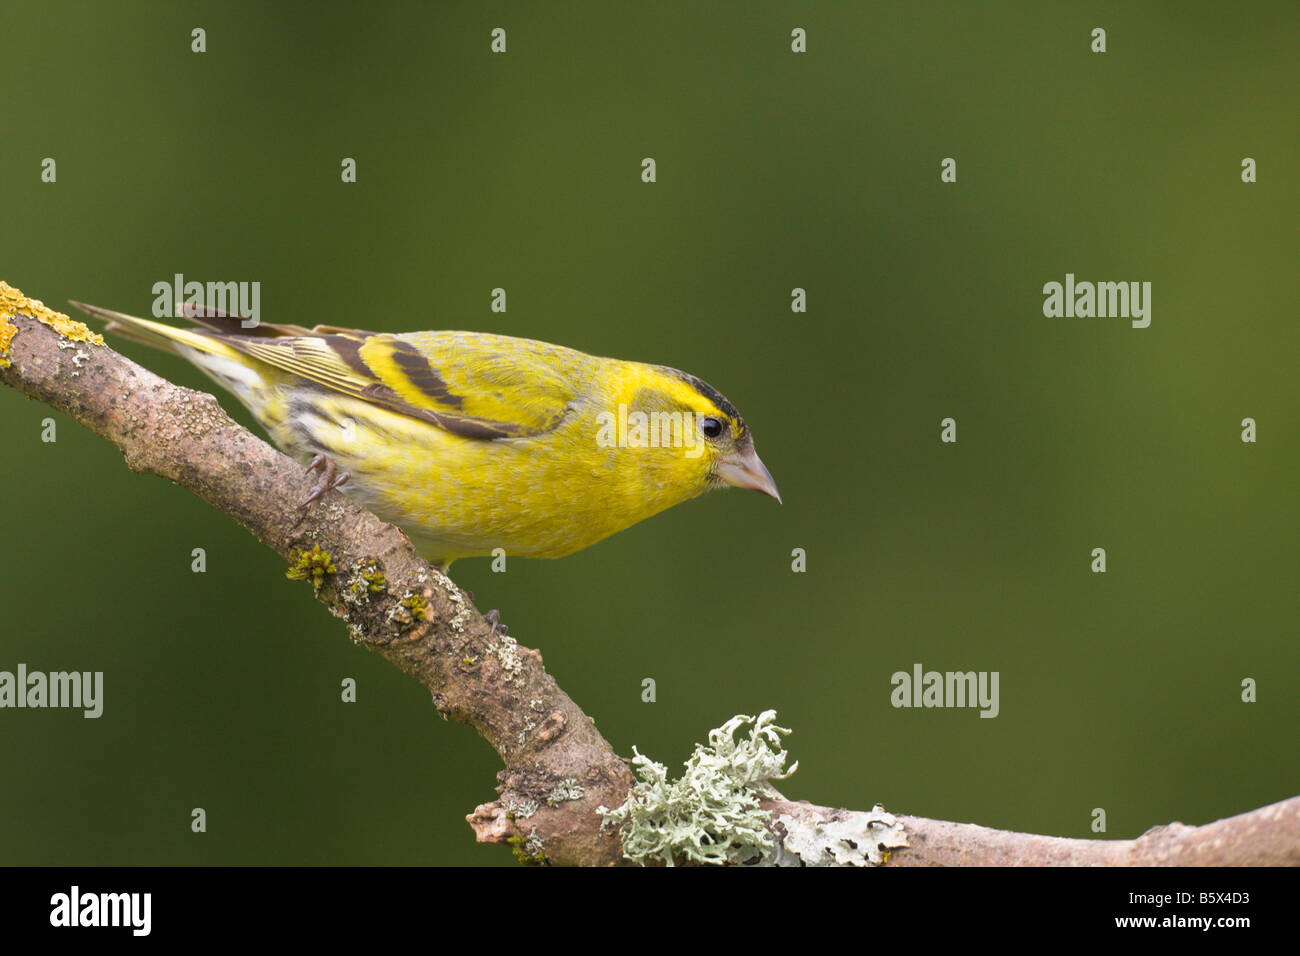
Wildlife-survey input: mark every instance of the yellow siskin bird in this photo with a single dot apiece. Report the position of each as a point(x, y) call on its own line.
point(468, 441)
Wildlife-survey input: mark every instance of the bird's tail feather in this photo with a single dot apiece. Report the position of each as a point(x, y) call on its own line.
point(156, 334)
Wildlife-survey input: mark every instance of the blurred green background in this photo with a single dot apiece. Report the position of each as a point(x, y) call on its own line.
point(775, 171)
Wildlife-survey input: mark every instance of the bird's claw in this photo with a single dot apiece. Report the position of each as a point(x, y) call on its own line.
point(330, 477)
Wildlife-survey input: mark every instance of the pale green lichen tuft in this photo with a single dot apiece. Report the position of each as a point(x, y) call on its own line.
point(855, 839)
point(520, 809)
point(506, 650)
point(710, 814)
point(567, 789)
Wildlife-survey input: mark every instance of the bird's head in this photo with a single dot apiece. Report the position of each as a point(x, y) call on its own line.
point(688, 436)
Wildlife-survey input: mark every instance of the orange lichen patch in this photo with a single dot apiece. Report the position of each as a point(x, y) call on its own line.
point(12, 301)
point(6, 336)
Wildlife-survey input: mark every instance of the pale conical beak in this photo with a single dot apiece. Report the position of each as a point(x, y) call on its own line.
point(741, 468)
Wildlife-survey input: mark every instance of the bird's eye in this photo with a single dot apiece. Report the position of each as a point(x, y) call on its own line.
point(711, 427)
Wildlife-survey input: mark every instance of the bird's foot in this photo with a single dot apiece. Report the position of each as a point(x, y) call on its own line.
point(493, 617)
point(330, 477)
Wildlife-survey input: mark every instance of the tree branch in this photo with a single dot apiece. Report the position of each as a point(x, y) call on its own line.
point(1269, 836)
point(476, 677)
point(558, 768)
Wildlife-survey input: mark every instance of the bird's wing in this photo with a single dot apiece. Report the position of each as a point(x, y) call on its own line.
point(468, 383)
point(477, 386)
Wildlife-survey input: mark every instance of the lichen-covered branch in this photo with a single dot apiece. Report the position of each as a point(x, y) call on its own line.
point(365, 571)
point(1269, 836)
point(558, 768)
